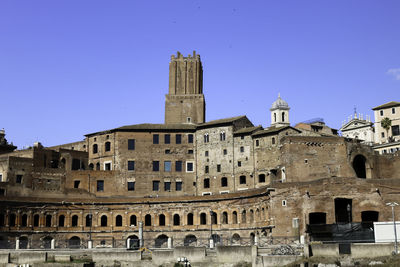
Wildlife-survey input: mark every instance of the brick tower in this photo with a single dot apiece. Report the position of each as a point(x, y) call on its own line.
point(185, 102)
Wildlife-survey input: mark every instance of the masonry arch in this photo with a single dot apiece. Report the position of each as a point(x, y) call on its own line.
point(74, 242)
point(161, 241)
point(134, 242)
point(359, 166)
point(161, 220)
point(147, 220)
point(190, 240)
point(177, 219)
point(47, 242)
point(23, 242)
point(235, 240)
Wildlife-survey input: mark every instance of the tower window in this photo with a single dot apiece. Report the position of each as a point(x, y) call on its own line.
point(257, 142)
point(273, 140)
point(190, 138)
point(107, 146)
point(156, 185)
point(189, 166)
point(206, 183)
point(274, 117)
point(206, 138)
point(381, 112)
point(95, 147)
point(206, 169)
point(242, 179)
point(76, 183)
point(156, 166)
point(222, 136)
point(100, 185)
point(131, 186)
point(178, 139)
point(178, 166)
point(156, 138)
point(393, 110)
point(131, 165)
point(224, 182)
point(206, 153)
point(242, 149)
point(167, 139)
point(178, 186)
point(167, 186)
point(283, 116)
point(225, 151)
point(218, 167)
point(131, 144)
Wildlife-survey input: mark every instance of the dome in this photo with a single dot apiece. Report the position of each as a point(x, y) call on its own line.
point(280, 104)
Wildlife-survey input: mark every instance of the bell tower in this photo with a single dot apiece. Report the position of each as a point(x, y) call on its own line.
point(185, 102)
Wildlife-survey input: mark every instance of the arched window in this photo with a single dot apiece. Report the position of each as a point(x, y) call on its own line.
point(224, 182)
point(118, 220)
point(242, 179)
point(12, 219)
point(98, 166)
point(190, 219)
point(147, 220)
point(224, 217)
point(274, 117)
point(234, 217)
point(283, 116)
point(176, 219)
point(161, 220)
point(48, 220)
point(258, 218)
point(61, 221)
point(74, 220)
point(203, 218)
point(107, 146)
point(133, 220)
point(91, 166)
point(95, 148)
point(24, 221)
point(36, 220)
point(88, 220)
point(251, 216)
point(214, 218)
point(243, 216)
point(103, 220)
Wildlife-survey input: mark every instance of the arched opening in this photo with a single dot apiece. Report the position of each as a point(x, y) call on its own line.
point(161, 241)
point(343, 210)
point(243, 216)
point(235, 240)
point(190, 240)
point(88, 220)
point(47, 242)
point(161, 220)
point(95, 148)
point(91, 166)
point(61, 221)
point(252, 238)
point(224, 217)
point(133, 220)
point(261, 178)
point(214, 218)
point(251, 216)
point(176, 219)
point(23, 242)
point(118, 220)
point(103, 220)
point(317, 218)
point(190, 219)
point(234, 217)
point(36, 220)
point(107, 146)
point(359, 166)
point(274, 117)
point(74, 242)
point(283, 116)
point(134, 242)
point(98, 166)
point(48, 220)
point(216, 238)
point(24, 220)
point(203, 218)
point(74, 221)
point(12, 220)
point(147, 220)
point(258, 218)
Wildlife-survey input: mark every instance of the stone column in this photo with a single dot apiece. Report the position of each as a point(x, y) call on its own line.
point(17, 243)
point(128, 241)
point(256, 240)
point(141, 234)
point(90, 244)
point(169, 242)
point(53, 244)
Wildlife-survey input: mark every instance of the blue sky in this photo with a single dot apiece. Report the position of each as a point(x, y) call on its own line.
point(68, 68)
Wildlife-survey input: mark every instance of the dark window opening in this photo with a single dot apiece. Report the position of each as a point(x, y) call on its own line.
point(206, 183)
point(206, 153)
point(190, 219)
point(243, 216)
point(131, 186)
point(100, 185)
point(234, 217)
point(369, 216)
point(133, 220)
point(155, 139)
point(177, 219)
point(273, 140)
point(131, 165)
point(18, 179)
point(118, 220)
point(156, 185)
point(261, 178)
point(167, 186)
point(107, 166)
point(283, 116)
point(24, 221)
point(206, 169)
point(206, 138)
point(36, 220)
point(161, 220)
point(224, 217)
point(74, 221)
point(317, 218)
point(156, 166)
point(91, 166)
point(190, 151)
point(178, 139)
point(167, 139)
point(76, 183)
point(88, 221)
point(178, 186)
point(103, 220)
point(239, 164)
point(147, 220)
point(214, 217)
point(189, 166)
point(203, 218)
point(54, 163)
point(107, 146)
point(242, 179)
point(395, 130)
point(98, 166)
point(48, 220)
point(76, 164)
point(224, 182)
point(225, 151)
point(359, 166)
point(167, 151)
point(343, 210)
point(241, 149)
point(178, 166)
point(218, 167)
point(190, 138)
point(95, 148)
point(131, 144)
point(61, 221)
point(257, 142)
point(12, 219)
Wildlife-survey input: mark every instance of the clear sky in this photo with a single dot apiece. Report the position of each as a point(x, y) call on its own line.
point(72, 67)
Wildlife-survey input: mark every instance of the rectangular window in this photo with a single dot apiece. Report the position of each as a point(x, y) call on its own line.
point(167, 139)
point(189, 166)
point(18, 179)
point(241, 149)
point(225, 151)
point(178, 186)
point(381, 112)
point(156, 185)
point(167, 151)
point(178, 139)
point(257, 142)
point(206, 138)
point(395, 130)
point(167, 166)
point(156, 166)
point(131, 165)
point(190, 151)
point(206, 169)
point(107, 166)
point(242, 137)
point(156, 139)
point(190, 138)
point(382, 134)
point(207, 183)
point(393, 110)
point(167, 186)
point(76, 183)
point(131, 144)
point(242, 179)
point(206, 153)
point(239, 164)
point(178, 166)
point(218, 167)
point(131, 186)
point(100, 185)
